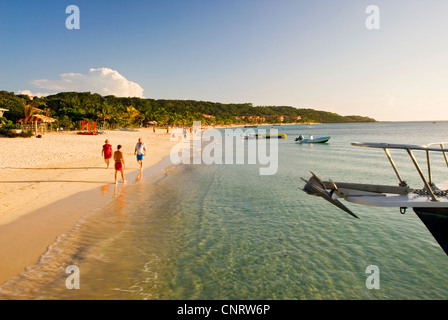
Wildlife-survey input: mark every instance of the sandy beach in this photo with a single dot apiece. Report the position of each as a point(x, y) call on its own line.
point(37, 175)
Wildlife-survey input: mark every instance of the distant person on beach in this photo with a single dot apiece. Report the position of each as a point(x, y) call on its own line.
point(107, 152)
point(140, 151)
point(119, 164)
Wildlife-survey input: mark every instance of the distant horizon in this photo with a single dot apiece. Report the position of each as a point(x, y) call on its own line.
point(385, 60)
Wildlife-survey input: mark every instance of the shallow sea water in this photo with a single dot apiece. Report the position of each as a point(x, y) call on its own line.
point(226, 232)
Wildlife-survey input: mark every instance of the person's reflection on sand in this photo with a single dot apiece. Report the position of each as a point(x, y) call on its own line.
point(139, 176)
point(116, 189)
point(105, 189)
point(120, 198)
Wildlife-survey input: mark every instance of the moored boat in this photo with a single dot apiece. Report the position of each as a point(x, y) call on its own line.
point(275, 136)
point(249, 136)
point(88, 133)
point(263, 136)
point(429, 203)
point(311, 139)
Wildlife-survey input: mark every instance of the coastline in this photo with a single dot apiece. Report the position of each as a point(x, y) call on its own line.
point(45, 193)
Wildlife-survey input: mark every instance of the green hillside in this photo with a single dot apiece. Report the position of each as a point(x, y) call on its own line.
point(69, 108)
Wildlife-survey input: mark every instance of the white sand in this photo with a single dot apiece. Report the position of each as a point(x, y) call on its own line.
point(36, 173)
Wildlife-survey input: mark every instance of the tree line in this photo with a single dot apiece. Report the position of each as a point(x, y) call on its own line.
point(70, 108)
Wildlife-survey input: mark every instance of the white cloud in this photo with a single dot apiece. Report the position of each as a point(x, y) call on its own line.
point(104, 81)
point(31, 94)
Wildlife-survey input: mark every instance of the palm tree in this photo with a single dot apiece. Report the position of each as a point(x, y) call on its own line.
point(29, 110)
point(131, 114)
point(176, 119)
point(105, 112)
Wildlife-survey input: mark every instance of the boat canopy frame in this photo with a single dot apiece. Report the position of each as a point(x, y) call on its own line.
point(427, 148)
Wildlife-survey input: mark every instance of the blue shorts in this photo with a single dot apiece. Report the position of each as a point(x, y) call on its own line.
point(140, 157)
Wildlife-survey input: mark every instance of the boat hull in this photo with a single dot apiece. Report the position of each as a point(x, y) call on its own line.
point(315, 140)
point(265, 136)
point(88, 133)
point(275, 136)
point(436, 221)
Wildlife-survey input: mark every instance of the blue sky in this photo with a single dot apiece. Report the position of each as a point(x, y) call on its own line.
point(302, 53)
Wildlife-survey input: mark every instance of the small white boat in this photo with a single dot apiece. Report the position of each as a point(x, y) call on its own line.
point(430, 203)
point(311, 139)
point(249, 136)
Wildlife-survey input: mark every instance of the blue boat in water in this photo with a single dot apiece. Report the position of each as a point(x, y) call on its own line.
point(311, 139)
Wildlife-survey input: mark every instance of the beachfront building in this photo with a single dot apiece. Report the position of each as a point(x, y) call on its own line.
point(257, 118)
point(269, 118)
point(2, 111)
point(251, 118)
point(296, 118)
point(282, 118)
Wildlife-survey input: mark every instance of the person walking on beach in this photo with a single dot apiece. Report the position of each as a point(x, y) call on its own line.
point(140, 151)
point(107, 152)
point(119, 164)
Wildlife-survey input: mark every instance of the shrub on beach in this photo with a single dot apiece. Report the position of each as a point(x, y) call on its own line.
point(9, 130)
point(9, 126)
point(18, 135)
point(5, 122)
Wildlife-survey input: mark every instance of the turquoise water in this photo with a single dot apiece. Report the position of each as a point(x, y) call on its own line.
point(225, 232)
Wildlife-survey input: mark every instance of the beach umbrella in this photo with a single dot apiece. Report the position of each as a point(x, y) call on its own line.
point(36, 118)
point(153, 124)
